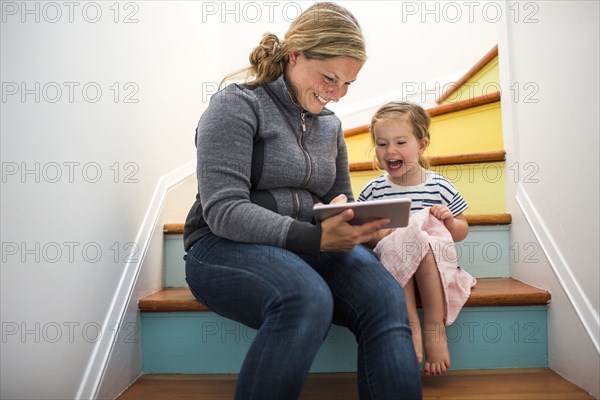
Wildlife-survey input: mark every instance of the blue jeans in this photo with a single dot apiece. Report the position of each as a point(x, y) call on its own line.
point(292, 300)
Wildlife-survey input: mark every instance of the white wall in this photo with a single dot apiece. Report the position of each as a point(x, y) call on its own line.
point(59, 304)
point(551, 133)
point(56, 309)
point(415, 49)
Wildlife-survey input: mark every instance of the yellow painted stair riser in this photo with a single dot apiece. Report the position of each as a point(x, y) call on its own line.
point(484, 82)
point(481, 184)
point(474, 130)
point(360, 148)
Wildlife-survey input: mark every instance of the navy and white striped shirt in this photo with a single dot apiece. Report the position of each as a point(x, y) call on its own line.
point(435, 190)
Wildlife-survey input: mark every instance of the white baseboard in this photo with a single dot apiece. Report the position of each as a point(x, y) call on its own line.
point(96, 367)
point(582, 305)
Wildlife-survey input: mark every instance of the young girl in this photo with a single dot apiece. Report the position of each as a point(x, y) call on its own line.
point(422, 254)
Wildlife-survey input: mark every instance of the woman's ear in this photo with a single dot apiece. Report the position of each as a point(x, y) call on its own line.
point(293, 57)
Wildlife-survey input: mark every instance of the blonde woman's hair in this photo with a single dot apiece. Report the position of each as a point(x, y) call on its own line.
point(410, 113)
point(324, 30)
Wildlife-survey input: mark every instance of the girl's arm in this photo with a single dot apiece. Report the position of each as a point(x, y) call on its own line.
point(457, 226)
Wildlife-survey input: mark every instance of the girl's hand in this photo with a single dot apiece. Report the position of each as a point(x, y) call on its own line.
point(441, 212)
point(457, 226)
point(339, 235)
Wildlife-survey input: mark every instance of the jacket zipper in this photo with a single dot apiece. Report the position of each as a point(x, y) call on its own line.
point(308, 162)
point(306, 155)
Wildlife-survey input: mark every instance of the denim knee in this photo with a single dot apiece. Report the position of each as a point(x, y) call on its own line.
point(311, 306)
point(385, 301)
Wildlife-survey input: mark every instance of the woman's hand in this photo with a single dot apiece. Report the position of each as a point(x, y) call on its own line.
point(378, 236)
point(339, 235)
point(339, 199)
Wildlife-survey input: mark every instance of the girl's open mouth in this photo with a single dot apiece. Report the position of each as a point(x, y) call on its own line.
point(394, 164)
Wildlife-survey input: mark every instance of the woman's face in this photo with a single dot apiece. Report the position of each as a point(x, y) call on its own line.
point(315, 83)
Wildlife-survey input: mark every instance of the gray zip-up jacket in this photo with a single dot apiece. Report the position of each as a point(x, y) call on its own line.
point(262, 164)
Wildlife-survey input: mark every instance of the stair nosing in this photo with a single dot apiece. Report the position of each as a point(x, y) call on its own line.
point(434, 161)
point(490, 219)
point(511, 292)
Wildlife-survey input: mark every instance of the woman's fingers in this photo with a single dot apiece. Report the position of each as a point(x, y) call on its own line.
point(339, 199)
point(339, 235)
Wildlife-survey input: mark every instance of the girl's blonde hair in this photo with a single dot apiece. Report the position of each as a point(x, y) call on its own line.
point(324, 30)
point(410, 113)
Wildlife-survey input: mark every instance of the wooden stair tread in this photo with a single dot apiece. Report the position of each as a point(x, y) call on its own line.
point(518, 383)
point(472, 219)
point(465, 104)
point(171, 299)
point(489, 292)
point(488, 219)
point(451, 159)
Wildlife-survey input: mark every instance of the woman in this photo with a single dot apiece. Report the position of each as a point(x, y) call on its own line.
point(267, 151)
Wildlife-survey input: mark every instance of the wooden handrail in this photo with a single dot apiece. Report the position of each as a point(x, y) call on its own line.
point(489, 56)
point(441, 110)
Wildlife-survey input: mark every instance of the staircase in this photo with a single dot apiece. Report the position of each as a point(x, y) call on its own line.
point(498, 340)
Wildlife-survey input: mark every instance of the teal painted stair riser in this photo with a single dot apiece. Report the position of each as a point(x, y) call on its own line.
point(485, 253)
point(205, 343)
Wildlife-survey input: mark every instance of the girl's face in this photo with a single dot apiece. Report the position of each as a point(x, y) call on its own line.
point(398, 151)
point(315, 83)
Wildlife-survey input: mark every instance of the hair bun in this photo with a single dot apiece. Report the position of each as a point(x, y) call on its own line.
point(266, 58)
point(270, 43)
point(268, 48)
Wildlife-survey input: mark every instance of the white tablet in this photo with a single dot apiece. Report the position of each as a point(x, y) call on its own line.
point(397, 210)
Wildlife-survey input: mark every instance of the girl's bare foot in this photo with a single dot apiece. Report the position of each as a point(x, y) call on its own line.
point(437, 357)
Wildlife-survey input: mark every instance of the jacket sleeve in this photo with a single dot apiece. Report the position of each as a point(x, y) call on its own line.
point(225, 137)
